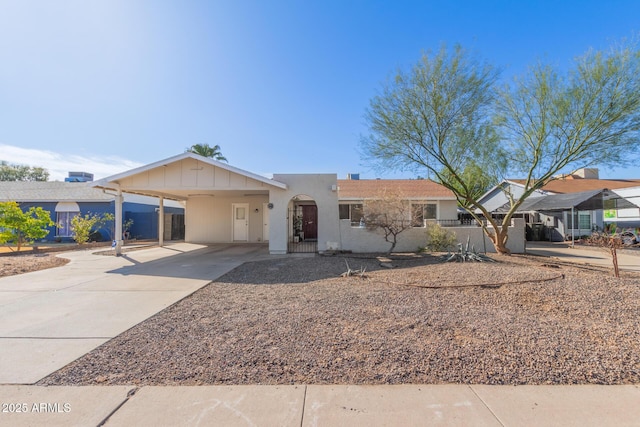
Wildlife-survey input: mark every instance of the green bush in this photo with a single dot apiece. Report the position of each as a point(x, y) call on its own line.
point(440, 239)
point(81, 227)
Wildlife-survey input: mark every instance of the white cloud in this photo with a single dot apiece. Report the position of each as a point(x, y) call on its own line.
point(59, 165)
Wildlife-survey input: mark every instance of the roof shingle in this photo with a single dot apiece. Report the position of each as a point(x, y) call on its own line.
point(413, 189)
point(577, 185)
point(51, 191)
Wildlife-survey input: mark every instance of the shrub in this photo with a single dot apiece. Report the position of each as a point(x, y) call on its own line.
point(81, 227)
point(22, 227)
point(440, 239)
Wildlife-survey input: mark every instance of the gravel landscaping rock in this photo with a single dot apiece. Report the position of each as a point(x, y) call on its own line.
point(17, 264)
point(521, 320)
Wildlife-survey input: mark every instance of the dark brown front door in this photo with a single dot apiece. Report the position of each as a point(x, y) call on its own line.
point(310, 221)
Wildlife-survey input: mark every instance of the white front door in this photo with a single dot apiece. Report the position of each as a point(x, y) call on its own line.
point(240, 222)
point(265, 222)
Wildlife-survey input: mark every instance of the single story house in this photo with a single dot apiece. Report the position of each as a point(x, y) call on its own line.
point(290, 212)
point(568, 206)
point(64, 200)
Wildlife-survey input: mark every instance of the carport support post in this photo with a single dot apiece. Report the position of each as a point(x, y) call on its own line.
point(161, 221)
point(118, 215)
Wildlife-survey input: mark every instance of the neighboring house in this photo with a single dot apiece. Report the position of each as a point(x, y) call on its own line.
point(624, 216)
point(567, 207)
point(64, 200)
point(292, 212)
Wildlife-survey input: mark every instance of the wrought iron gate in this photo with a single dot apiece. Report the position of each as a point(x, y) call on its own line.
point(303, 230)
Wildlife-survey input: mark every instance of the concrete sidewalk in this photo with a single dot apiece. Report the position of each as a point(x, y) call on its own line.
point(319, 405)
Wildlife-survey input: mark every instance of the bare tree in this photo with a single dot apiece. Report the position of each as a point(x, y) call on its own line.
point(391, 214)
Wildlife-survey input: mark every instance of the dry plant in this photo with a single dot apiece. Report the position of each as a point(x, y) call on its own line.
point(610, 242)
point(391, 214)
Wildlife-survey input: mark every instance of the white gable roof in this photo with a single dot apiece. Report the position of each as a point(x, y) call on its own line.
point(187, 155)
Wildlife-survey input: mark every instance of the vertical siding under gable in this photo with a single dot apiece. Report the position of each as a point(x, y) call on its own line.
point(189, 172)
point(156, 177)
point(140, 180)
point(206, 176)
point(222, 178)
point(172, 175)
point(237, 180)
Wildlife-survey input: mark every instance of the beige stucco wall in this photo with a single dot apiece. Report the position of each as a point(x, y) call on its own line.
point(361, 240)
point(322, 189)
point(447, 209)
point(209, 219)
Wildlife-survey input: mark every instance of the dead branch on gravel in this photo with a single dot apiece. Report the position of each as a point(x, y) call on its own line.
point(478, 285)
point(351, 272)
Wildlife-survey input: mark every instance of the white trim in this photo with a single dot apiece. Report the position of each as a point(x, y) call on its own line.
point(266, 218)
point(67, 207)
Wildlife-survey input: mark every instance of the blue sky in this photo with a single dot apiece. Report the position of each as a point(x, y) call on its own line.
point(281, 86)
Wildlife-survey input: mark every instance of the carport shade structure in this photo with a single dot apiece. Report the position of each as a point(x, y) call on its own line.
point(585, 200)
point(182, 178)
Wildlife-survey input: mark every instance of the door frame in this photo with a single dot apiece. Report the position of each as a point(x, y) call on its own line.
point(265, 222)
point(234, 206)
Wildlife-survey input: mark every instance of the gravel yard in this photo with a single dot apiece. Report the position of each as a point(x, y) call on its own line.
point(11, 265)
point(294, 321)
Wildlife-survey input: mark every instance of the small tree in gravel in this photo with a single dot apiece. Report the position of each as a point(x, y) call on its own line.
point(390, 214)
point(610, 242)
point(22, 227)
point(81, 227)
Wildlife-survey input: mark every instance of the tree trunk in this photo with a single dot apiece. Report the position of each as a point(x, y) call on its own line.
point(393, 246)
point(499, 239)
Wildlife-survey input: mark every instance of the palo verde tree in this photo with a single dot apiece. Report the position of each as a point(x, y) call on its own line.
point(477, 181)
point(447, 112)
point(206, 150)
point(19, 227)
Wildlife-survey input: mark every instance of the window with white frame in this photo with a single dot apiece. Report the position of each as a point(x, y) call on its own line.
point(421, 212)
point(64, 223)
point(582, 220)
point(351, 211)
point(65, 211)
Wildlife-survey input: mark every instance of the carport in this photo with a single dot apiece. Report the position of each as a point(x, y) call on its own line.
point(566, 208)
point(223, 204)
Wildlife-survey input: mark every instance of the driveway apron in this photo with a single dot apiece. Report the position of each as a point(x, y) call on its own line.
point(51, 317)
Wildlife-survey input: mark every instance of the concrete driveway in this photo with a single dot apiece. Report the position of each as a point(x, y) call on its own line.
point(628, 260)
point(51, 317)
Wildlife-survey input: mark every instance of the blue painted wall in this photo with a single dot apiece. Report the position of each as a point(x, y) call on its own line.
point(145, 218)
